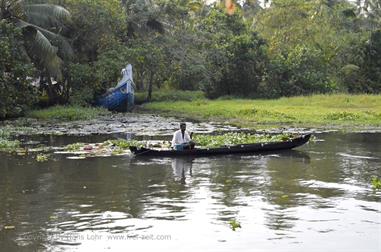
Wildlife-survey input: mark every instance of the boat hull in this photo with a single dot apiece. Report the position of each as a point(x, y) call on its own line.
point(118, 99)
point(236, 149)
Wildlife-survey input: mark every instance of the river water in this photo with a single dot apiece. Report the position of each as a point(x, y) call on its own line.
point(315, 198)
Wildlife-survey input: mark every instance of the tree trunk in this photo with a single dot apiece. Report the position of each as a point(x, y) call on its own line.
point(50, 91)
point(150, 84)
point(140, 81)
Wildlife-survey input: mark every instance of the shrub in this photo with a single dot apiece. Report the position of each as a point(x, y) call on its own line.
point(83, 83)
point(300, 71)
point(352, 78)
point(170, 95)
point(372, 63)
point(16, 74)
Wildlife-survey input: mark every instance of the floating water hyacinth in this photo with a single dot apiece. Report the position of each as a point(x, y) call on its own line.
point(42, 158)
point(113, 147)
point(234, 224)
point(8, 145)
point(229, 139)
point(376, 183)
point(118, 147)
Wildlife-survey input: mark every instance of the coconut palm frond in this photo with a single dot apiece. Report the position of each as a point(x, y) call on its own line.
point(143, 16)
point(34, 1)
point(43, 44)
point(65, 49)
point(42, 20)
point(37, 19)
point(13, 9)
point(41, 49)
point(53, 66)
point(47, 54)
point(55, 13)
point(36, 38)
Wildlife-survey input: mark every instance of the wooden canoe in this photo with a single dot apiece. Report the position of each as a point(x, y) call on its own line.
point(234, 149)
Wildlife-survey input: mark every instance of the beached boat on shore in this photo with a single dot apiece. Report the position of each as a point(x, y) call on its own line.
point(121, 97)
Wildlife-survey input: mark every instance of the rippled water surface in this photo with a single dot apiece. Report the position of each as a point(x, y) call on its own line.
point(315, 198)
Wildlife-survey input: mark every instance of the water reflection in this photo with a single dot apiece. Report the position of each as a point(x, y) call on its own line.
point(182, 167)
point(291, 197)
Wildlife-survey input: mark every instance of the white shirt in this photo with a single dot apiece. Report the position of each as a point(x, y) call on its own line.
point(178, 138)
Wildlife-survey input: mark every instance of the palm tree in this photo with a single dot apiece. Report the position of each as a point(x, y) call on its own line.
point(142, 17)
point(41, 24)
point(373, 12)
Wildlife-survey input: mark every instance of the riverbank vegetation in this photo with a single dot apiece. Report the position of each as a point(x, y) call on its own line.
point(6, 144)
point(68, 113)
point(170, 96)
point(72, 51)
point(316, 110)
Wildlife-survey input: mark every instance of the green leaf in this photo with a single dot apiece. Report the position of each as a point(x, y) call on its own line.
point(48, 12)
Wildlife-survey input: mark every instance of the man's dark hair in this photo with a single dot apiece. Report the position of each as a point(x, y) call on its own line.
point(183, 123)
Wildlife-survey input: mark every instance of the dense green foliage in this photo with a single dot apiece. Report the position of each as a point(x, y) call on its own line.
point(98, 28)
point(170, 95)
point(287, 48)
point(317, 47)
point(43, 25)
point(16, 92)
point(235, 54)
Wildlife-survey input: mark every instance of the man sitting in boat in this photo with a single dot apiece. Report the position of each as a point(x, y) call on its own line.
point(181, 139)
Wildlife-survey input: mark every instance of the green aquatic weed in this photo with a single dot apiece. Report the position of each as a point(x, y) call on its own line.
point(4, 133)
point(234, 224)
point(74, 147)
point(235, 138)
point(118, 152)
point(376, 183)
point(109, 147)
point(125, 144)
point(42, 158)
point(9, 145)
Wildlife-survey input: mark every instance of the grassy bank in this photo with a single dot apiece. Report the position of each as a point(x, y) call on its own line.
point(169, 96)
point(67, 113)
point(308, 111)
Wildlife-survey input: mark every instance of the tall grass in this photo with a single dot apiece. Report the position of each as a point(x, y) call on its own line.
point(312, 110)
point(68, 113)
point(169, 95)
